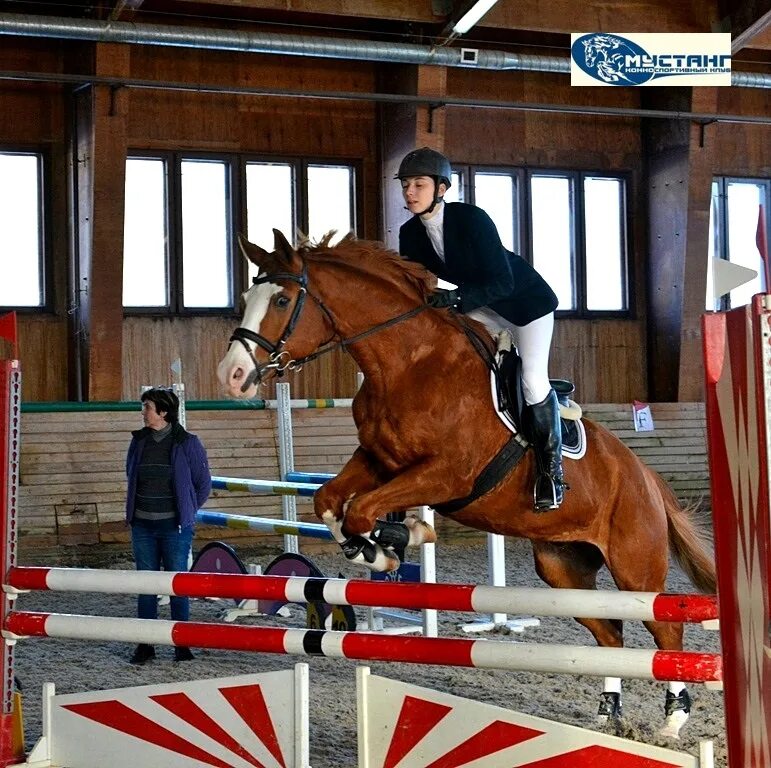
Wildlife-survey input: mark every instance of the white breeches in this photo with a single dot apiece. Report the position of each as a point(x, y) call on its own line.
point(533, 342)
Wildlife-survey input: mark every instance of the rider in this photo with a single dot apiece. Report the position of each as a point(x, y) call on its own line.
point(459, 243)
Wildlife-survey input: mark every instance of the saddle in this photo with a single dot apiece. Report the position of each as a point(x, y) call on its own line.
point(511, 398)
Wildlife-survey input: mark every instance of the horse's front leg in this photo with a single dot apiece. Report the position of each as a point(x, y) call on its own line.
point(329, 502)
point(370, 541)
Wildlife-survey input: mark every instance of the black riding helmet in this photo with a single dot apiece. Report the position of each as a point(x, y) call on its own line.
point(427, 162)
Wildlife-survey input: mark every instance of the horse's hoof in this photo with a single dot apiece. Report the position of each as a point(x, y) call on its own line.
point(673, 725)
point(610, 707)
point(677, 708)
point(362, 551)
point(420, 531)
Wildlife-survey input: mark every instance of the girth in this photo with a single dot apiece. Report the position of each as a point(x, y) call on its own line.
point(499, 466)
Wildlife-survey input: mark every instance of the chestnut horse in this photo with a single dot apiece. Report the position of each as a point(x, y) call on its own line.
point(427, 428)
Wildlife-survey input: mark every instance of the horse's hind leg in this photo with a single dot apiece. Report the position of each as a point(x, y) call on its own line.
point(574, 565)
point(649, 575)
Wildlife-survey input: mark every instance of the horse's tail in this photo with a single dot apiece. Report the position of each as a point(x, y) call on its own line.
point(688, 543)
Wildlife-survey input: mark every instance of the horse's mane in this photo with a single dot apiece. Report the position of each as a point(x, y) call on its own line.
point(372, 257)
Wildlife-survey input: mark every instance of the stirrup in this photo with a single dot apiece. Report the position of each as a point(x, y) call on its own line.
point(542, 502)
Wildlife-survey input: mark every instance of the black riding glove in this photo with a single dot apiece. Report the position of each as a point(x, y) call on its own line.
point(443, 299)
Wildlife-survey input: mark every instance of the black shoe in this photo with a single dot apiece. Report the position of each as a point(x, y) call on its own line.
point(183, 653)
point(142, 654)
point(546, 436)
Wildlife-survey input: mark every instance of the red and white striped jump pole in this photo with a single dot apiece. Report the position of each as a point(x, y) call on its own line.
point(605, 604)
point(637, 663)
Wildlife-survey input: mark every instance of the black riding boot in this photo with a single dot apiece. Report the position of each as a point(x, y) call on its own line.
point(546, 434)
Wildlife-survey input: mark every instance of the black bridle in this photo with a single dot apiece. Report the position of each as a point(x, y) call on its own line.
point(276, 351)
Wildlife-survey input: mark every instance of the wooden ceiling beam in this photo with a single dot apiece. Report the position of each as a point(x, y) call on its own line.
point(749, 20)
point(762, 40)
point(124, 5)
point(560, 16)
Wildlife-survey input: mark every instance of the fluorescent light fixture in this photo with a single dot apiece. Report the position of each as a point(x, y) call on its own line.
point(472, 16)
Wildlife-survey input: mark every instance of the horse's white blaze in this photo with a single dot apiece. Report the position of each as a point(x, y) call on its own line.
point(236, 365)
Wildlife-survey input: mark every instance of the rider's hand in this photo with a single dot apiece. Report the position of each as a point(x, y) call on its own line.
point(442, 299)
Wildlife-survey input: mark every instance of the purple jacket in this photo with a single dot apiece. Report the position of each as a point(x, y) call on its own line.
point(190, 473)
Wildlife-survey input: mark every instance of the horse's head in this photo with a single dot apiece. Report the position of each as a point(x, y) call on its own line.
point(604, 54)
point(598, 46)
point(274, 309)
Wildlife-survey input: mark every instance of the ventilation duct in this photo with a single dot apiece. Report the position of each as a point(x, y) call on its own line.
point(296, 45)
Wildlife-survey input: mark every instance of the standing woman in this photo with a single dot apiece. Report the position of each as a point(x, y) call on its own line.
point(459, 243)
point(168, 480)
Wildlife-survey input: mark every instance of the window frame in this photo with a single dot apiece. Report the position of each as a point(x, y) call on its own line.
point(578, 245)
point(625, 224)
point(523, 227)
point(236, 211)
point(576, 232)
point(45, 229)
point(153, 311)
point(233, 186)
point(519, 179)
point(300, 197)
point(723, 234)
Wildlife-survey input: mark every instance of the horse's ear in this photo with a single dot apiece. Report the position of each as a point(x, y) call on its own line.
point(284, 250)
point(252, 252)
point(349, 238)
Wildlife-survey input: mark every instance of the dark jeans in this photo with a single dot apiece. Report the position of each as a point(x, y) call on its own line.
point(153, 548)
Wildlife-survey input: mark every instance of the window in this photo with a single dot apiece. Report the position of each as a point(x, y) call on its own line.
point(578, 239)
point(182, 213)
point(330, 201)
point(206, 234)
point(145, 234)
point(22, 253)
point(497, 194)
point(190, 196)
point(738, 233)
point(605, 243)
point(270, 201)
point(455, 193)
point(572, 225)
point(298, 197)
point(552, 234)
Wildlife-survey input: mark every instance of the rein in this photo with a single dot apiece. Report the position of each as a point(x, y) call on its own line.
point(276, 351)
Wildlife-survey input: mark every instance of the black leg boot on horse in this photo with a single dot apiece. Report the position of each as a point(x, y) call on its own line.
point(546, 434)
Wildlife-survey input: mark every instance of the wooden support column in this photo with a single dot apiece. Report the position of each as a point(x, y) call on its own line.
point(99, 140)
point(680, 158)
point(405, 127)
point(701, 165)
